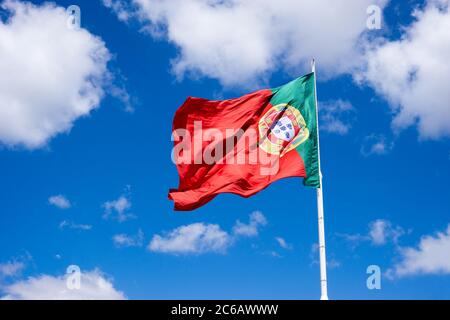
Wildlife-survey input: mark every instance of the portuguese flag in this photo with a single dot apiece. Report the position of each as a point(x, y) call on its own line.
point(244, 144)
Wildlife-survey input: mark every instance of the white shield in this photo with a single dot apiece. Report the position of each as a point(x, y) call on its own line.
point(284, 129)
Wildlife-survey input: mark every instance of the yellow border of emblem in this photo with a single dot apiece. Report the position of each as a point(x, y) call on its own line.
point(277, 148)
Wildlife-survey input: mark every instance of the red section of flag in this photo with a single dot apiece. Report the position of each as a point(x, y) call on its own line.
point(202, 179)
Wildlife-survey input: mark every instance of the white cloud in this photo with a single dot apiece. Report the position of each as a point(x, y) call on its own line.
point(375, 144)
point(332, 263)
point(257, 219)
point(336, 116)
point(274, 254)
point(120, 93)
point(242, 42)
point(283, 243)
point(50, 75)
point(198, 238)
point(59, 201)
point(15, 266)
point(11, 268)
point(195, 238)
point(432, 256)
point(377, 232)
point(353, 239)
point(118, 209)
point(410, 72)
point(124, 240)
point(94, 286)
point(71, 225)
point(380, 232)
point(121, 8)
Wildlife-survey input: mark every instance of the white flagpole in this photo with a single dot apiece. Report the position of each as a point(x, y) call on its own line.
point(323, 260)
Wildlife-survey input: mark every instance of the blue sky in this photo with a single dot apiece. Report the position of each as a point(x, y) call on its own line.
point(385, 180)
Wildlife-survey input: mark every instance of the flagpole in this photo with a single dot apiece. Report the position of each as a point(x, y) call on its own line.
point(323, 260)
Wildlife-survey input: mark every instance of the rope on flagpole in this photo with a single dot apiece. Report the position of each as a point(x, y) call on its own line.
point(321, 222)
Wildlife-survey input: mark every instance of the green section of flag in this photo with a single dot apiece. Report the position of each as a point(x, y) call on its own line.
point(300, 94)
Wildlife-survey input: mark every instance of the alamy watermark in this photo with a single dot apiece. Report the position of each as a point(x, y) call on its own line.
point(73, 279)
point(227, 146)
point(374, 280)
point(373, 21)
point(281, 129)
point(73, 17)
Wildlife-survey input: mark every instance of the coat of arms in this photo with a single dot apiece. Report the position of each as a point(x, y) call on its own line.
point(282, 129)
